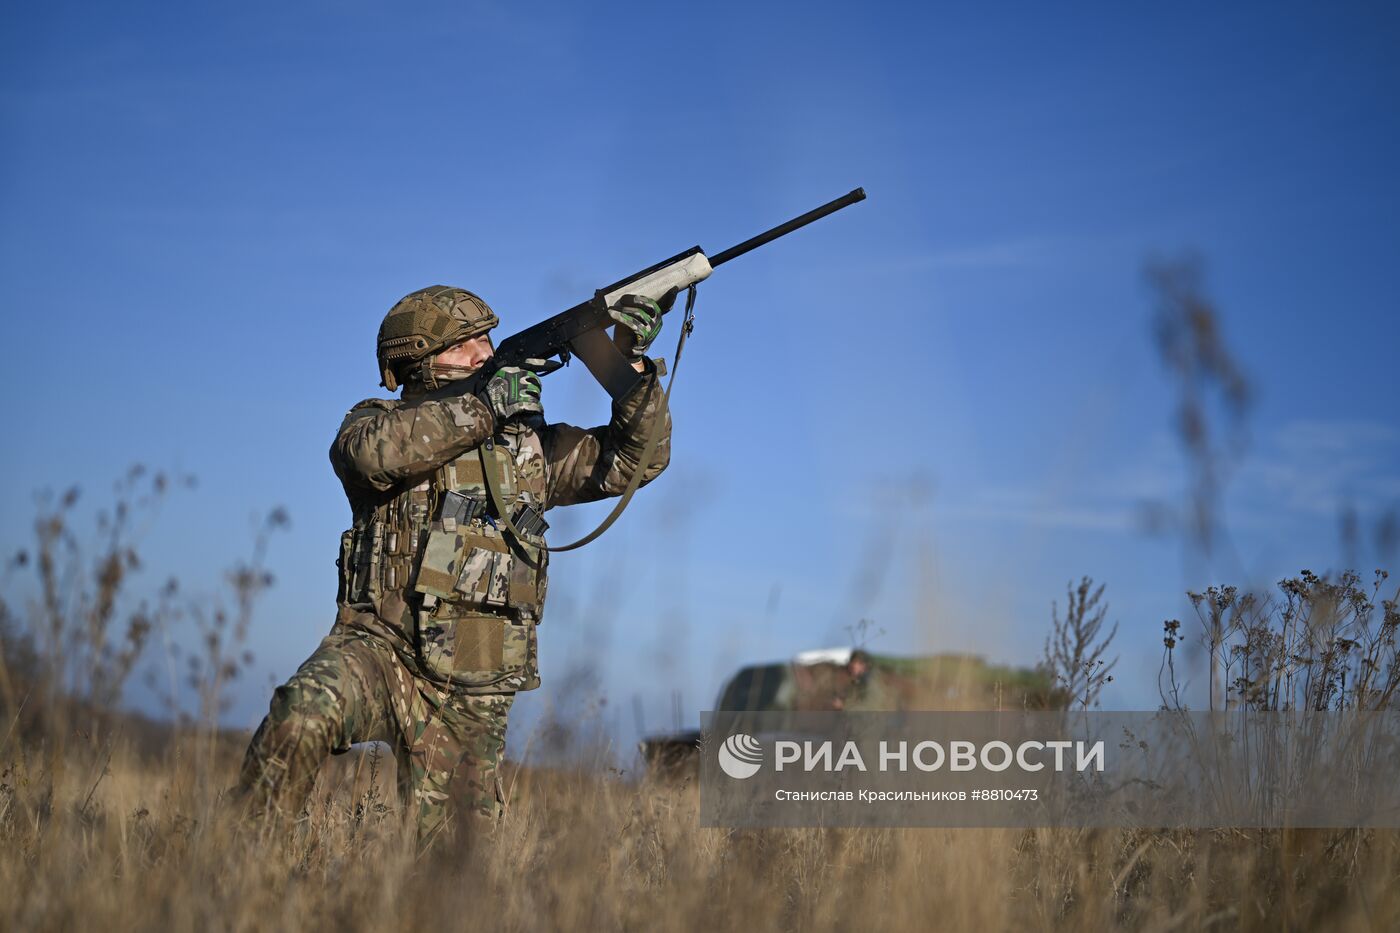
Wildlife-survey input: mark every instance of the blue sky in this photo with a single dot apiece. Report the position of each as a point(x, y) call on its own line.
point(931, 410)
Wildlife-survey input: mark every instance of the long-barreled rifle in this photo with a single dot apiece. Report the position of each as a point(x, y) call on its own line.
point(582, 330)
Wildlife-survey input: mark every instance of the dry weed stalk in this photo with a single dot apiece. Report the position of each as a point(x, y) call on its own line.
point(1320, 647)
point(1076, 645)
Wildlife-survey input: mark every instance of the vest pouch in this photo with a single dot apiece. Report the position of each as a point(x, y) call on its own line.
point(361, 553)
point(441, 562)
point(485, 577)
point(471, 565)
point(472, 649)
point(527, 580)
point(343, 566)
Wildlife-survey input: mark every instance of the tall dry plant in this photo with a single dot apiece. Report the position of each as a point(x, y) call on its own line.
point(80, 635)
point(1212, 397)
point(76, 621)
point(223, 630)
point(1076, 648)
point(1317, 646)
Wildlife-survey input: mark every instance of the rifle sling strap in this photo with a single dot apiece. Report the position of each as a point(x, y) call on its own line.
point(635, 481)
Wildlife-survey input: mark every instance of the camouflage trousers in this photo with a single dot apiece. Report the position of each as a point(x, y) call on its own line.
point(354, 688)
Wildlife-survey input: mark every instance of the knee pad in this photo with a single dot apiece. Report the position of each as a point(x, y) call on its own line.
point(307, 707)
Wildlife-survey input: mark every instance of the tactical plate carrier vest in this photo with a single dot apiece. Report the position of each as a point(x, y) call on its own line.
point(459, 595)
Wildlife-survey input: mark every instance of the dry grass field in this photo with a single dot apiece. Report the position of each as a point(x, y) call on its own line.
point(101, 837)
point(110, 822)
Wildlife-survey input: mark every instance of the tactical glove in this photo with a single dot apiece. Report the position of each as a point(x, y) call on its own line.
point(512, 391)
point(640, 320)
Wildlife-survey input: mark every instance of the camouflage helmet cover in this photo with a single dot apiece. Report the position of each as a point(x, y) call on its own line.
point(425, 322)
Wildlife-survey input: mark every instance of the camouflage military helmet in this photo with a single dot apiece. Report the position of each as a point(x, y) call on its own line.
point(424, 323)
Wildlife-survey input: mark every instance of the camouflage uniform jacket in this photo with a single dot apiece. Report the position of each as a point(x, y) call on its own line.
point(459, 598)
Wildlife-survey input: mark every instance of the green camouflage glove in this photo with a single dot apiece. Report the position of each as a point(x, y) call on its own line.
point(640, 320)
point(512, 391)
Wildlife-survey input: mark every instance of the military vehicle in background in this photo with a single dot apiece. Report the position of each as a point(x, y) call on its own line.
point(854, 679)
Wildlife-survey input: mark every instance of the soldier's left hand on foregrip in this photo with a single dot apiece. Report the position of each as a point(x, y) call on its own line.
point(640, 317)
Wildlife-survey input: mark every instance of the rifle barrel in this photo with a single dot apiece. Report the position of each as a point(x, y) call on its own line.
point(830, 207)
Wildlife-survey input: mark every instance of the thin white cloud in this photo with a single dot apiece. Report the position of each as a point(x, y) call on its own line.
point(1319, 468)
point(1304, 469)
point(1024, 506)
point(1312, 437)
